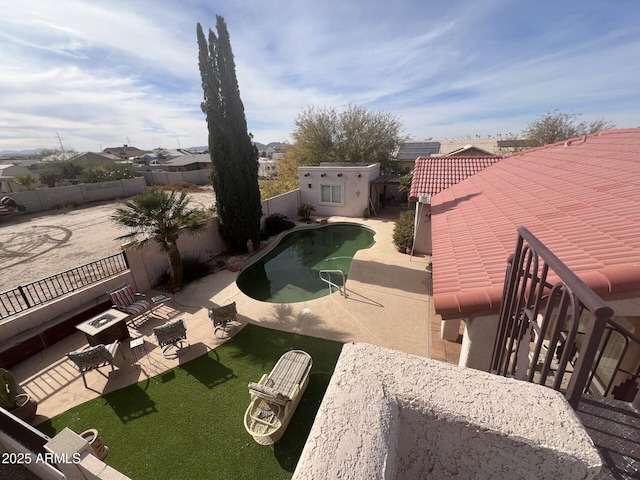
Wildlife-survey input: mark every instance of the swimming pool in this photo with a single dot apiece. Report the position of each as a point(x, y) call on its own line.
point(289, 273)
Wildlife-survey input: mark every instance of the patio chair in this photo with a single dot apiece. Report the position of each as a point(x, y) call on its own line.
point(172, 334)
point(221, 316)
point(128, 301)
point(275, 398)
point(94, 357)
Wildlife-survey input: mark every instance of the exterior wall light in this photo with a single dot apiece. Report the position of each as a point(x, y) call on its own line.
point(359, 175)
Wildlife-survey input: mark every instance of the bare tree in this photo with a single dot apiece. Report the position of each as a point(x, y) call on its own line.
point(556, 126)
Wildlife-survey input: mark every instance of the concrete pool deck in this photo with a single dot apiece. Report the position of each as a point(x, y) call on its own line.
point(388, 303)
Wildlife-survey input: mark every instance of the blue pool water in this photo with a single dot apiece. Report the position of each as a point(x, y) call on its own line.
point(289, 273)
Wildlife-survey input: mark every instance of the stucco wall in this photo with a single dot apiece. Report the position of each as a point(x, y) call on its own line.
point(388, 414)
point(41, 317)
point(355, 189)
point(149, 263)
point(422, 236)
point(50, 198)
point(287, 204)
point(197, 177)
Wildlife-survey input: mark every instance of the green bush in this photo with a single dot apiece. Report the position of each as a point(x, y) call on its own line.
point(276, 223)
point(194, 268)
point(304, 212)
point(403, 230)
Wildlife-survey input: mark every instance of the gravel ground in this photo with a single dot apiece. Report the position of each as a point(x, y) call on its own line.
point(34, 246)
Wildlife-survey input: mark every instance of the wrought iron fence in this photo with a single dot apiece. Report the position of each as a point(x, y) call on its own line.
point(46, 289)
point(551, 323)
point(616, 371)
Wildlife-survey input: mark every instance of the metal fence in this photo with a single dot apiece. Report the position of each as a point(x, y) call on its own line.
point(46, 289)
point(551, 322)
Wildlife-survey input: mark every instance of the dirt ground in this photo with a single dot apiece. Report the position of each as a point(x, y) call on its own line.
point(37, 245)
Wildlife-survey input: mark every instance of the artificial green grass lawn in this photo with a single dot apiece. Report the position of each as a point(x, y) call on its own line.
point(188, 422)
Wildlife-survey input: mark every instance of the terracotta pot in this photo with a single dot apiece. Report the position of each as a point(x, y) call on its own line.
point(100, 450)
point(25, 407)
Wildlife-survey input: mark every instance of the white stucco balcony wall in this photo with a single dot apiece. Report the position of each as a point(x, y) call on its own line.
point(388, 414)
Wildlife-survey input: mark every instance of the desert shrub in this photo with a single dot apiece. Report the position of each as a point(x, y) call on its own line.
point(194, 268)
point(276, 223)
point(304, 212)
point(403, 230)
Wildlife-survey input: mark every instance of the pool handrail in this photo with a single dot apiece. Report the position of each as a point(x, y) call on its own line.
point(342, 289)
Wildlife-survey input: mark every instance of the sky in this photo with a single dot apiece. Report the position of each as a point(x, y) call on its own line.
point(93, 74)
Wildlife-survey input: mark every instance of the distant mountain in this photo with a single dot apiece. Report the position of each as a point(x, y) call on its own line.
point(262, 146)
point(18, 153)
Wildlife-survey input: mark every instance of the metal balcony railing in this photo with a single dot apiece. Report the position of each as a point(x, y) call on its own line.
point(26, 296)
point(552, 325)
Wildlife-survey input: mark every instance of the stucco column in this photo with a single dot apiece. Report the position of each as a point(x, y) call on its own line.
point(477, 343)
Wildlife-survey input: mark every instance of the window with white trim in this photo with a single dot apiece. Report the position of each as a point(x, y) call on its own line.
point(331, 194)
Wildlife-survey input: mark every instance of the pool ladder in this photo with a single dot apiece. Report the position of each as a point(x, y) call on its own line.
point(342, 289)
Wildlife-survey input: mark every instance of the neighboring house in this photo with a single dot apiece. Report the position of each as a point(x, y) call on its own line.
point(145, 159)
point(408, 152)
point(59, 157)
point(124, 152)
point(514, 145)
point(337, 189)
point(464, 147)
point(185, 163)
point(498, 145)
point(168, 153)
point(432, 175)
point(266, 152)
point(7, 177)
point(266, 167)
point(93, 158)
point(470, 151)
point(579, 197)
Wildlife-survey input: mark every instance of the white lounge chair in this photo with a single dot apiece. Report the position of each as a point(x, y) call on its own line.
point(274, 399)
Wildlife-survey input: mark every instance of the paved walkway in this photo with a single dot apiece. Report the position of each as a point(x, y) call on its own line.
point(388, 304)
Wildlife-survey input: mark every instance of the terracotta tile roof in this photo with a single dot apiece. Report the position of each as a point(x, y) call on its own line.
point(581, 198)
point(431, 175)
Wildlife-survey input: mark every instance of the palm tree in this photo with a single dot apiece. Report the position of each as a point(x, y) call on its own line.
point(160, 216)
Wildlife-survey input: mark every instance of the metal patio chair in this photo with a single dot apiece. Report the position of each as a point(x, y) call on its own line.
point(172, 334)
point(220, 317)
point(94, 357)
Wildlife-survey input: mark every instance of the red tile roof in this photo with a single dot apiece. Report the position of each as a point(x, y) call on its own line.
point(581, 198)
point(431, 175)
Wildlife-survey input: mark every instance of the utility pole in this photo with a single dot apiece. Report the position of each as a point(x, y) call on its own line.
point(60, 140)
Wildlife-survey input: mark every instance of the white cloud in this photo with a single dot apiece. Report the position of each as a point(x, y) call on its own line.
point(99, 72)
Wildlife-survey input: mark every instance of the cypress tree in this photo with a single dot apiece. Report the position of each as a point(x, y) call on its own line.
point(233, 158)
